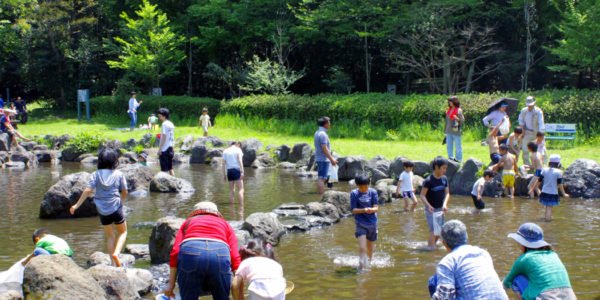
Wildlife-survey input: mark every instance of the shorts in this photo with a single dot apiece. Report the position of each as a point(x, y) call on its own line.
point(369, 230)
point(430, 218)
point(508, 179)
point(549, 199)
point(408, 194)
point(234, 174)
point(479, 204)
point(115, 218)
point(538, 173)
point(205, 128)
point(323, 169)
point(495, 157)
point(166, 159)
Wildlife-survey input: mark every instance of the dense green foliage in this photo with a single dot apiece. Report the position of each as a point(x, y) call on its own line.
point(85, 142)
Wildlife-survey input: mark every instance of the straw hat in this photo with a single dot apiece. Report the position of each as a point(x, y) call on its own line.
point(207, 207)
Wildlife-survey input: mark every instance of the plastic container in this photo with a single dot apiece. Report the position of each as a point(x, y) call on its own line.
point(333, 174)
point(438, 222)
point(163, 297)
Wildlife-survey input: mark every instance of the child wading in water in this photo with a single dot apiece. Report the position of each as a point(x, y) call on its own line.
point(435, 195)
point(510, 170)
point(364, 205)
point(477, 192)
point(551, 178)
point(405, 182)
point(260, 267)
point(536, 166)
point(111, 190)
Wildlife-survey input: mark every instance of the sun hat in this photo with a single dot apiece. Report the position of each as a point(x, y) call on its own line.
point(144, 155)
point(555, 158)
point(529, 235)
point(530, 101)
point(205, 207)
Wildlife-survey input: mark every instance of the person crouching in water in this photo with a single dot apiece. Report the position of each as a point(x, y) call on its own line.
point(111, 190)
point(47, 244)
point(260, 267)
point(551, 179)
point(364, 205)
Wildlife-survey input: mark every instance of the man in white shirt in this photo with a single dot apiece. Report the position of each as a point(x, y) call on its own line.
point(167, 142)
point(132, 111)
point(531, 119)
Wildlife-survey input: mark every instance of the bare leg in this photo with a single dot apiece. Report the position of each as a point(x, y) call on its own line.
point(405, 204)
point(321, 186)
point(239, 184)
point(110, 241)
point(370, 247)
point(548, 213)
point(511, 192)
point(172, 173)
point(362, 251)
point(120, 242)
point(206, 133)
point(231, 191)
point(432, 240)
point(414, 205)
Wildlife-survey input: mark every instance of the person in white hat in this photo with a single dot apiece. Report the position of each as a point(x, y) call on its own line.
point(551, 178)
point(531, 119)
point(538, 273)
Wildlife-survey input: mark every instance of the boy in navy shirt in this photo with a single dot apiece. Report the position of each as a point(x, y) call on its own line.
point(435, 195)
point(363, 203)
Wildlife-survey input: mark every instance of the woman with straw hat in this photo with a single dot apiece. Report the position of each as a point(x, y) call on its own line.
point(204, 255)
point(538, 273)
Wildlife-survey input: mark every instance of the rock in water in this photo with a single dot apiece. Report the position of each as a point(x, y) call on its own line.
point(4, 142)
point(463, 180)
point(186, 145)
point(582, 179)
point(141, 280)
point(264, 160)
point(112, 144)
point(139, 251)
point(58, 277)
point(265, 226)
point(44, 155)
point(165, 183)
point(60, 141)
point(138, 177)
point(70, 153)
point(421, 168)
point(62, 195)
point(290, 209)
point(28, 158)
point(162, 238)
point(379, 167)
point(323, 209)
point(301, 154)
point(99, 258)
point(250, 148)
point(282, 152)
point(199, 153)
point(522, 185)
point(350, 166)
point(114, 281)
point(11, 291)
point(341, 200)
point(397, 166)
point(452, 169)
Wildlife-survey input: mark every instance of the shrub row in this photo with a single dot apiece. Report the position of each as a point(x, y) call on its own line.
point(391, 111)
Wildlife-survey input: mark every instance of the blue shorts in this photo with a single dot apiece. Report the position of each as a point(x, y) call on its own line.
point(323, 169)
point(430, 218)
point(495, 157)
point(538, 173)
point(370, 230)
point(234, 174)
point(408, 194)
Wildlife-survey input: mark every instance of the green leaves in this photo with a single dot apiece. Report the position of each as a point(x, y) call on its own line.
point(266, 76)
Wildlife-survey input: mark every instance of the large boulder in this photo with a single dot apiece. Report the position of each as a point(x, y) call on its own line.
point(99, 258)
point(250, 148)
point(63, 194)
point(131, 143)
point(11, 291)
point(453, 167)
point(282, 152)
point(397, 166)
point(494, 188)
point(582, 179)
point(323, 209)
point(187, 142)
point(421, 168)
point(214, 152)
point(522, 185)
point(40, 147)
point(139, 251)
point(384, 192)
point(70, 153)
point(84, 156)
point(165, 183)
point(264, 160)
point(138, 176)
point(265, 226)
point(301, 154)
point(180, 158)
point(28, 145)
point(141, 280)
point(146, 140)
point(199, 153)
point(89, 160)
point(58, 277)
point(378, 167)
point(4, 142)
point(418, 184)
point(341, 200)
point(116, 145)
point(462, 182)
point(162, 238)
point(350, 166)
point(28, 158)
point(290, 209)
point(211, 141)
point(60, 141)
point(114, 281)
point(129, 158)
point(44, 156)
point(4, 157)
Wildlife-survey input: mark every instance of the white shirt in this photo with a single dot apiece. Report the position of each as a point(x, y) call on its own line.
point(167, 132)
point(231, 156)
point(526, 118)
point(478, 183)
point(265, 276)
point(204, 119)
point(407, 179)
point(495, 117)
point(133, 105)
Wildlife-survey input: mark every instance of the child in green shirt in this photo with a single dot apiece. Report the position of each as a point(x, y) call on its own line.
point(48, 244)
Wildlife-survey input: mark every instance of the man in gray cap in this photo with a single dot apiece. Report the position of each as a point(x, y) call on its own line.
point(531, 119)
point(467, 272)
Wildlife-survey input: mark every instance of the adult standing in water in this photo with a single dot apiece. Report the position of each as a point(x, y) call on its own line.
point(531, 119)
point(132, 111)
point(453, 129)
point(233, 171)
point(204, 254)
point(323, 156)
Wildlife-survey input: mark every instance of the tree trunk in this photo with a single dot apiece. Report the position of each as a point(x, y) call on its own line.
point(470, 78)
point(367, 68)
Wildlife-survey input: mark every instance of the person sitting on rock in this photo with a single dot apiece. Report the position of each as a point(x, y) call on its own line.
point(6, 127)
point(47, 244)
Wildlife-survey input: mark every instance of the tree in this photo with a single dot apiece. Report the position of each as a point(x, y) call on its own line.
point(266, 76)
point(149, 48)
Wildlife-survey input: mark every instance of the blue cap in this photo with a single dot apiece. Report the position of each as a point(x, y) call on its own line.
point(529, 235)
point(503, 104)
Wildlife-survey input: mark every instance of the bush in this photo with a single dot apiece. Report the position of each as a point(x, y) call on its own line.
point(85, 142)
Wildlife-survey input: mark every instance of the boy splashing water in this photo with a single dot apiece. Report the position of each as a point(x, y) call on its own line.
point(364, 206)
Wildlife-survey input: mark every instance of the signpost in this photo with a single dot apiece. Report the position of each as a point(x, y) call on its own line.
point(83, 96)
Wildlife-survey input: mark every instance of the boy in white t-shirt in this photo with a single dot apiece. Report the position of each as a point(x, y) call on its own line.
point(204, 121)
point(405, 183)
point(167, 142)
point(478, 186)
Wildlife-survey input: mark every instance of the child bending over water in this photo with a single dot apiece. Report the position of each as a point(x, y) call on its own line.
point(260, 267)
point(551, 178)
point(364, 205)
point(48, 244)
point(111, 190)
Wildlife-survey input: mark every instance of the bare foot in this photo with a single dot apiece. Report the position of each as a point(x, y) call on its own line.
point(116, 260)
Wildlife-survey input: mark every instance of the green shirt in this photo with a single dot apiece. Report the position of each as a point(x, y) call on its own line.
point(543, 269)
point(54, 245)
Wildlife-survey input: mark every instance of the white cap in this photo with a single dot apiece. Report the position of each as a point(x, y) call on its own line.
point(530, 101)
point(554, 158)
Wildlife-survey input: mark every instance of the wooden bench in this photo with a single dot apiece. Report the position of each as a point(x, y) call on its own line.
point(561, 132)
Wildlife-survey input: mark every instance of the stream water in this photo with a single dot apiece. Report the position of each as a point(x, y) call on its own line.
point(314, 260)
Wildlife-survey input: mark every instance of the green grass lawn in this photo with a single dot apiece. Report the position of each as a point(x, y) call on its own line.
point(415, 150)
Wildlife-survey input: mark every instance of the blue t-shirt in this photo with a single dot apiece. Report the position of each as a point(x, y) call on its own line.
point(360, 201)
point(321, 138)
point(2, 121)
point(108, 185)
point(436, 190)
point(20, 106)
point(1, 103)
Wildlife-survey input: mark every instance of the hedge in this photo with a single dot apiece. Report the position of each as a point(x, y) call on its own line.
point(181, 107)
point(560, 106)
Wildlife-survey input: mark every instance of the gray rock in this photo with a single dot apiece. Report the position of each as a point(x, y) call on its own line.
point(242, 237)
point(3, 157)
point(265, 226)
point(290, 209)
point(146, 140)
point(350, 166)
point(186, 145)
point(522, 185)
point(462, 182)
point(264, 160)
point(236, 225)
point(452, 169)
point(295, 224)
point(139, 251)
point(84, 156)
point(216, 161)
point(312, 166)
point(286, 165)
point(59, 142)
point(11, 291)
point(494, 188)
point(141, 280)
point(397, 166)
point(99, 258)
point(582, 179)
point(57, 277)
point(28, 145)
point(301, 154)
point(116, 145)
point(211, 140)
point(162, 238)
point(305, 174)
point(63, 194)
point(250, 148)
point(14, 165)
point(282, 152)
point(418, 184)
point(4, 142)
point(387, 181)
point(383, 193)
point(160, 273)
point(131, 143)
point(341, 200)
point(28, 158)
point(131, 157)
point(378, 167)
point(114, 281)
point(69, 153)
point(421, 168)
point(165, 183)
point(90, 160)
point(215, 152)
point(323, 209)
point(40, 147)
point(199, 153)
point(180, 158)
point(138, 176)
point(44, 155)
point(316, 221)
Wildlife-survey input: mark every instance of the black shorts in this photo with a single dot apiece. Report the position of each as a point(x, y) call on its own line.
point(233, 174)
point(166, 160)
point(479, 204)
point(115, 218)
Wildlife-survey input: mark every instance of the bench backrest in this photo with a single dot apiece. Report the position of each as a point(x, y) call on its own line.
point(561, 128)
